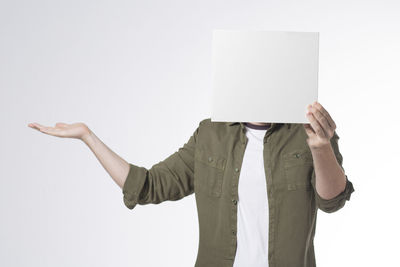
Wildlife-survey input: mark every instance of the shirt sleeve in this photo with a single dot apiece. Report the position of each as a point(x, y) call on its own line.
point(338, 202)
point(170, 179)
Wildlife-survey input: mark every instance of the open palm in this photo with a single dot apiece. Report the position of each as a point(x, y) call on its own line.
point(74, 130)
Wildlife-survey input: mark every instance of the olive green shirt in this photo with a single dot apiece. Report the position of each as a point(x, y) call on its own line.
point(209, 165)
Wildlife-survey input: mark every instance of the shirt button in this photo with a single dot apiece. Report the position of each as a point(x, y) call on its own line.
point(233, 232)
point(234, 201)
point(210, 159)
point(297, 155)
point(236, 169)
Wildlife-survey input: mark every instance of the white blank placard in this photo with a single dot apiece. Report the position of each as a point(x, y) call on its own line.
point(264, 76)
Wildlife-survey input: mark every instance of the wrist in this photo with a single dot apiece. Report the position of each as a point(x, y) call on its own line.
point(322, 148)
point(87, 137)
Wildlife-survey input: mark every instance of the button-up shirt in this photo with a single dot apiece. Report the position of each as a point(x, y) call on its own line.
point(209, 165)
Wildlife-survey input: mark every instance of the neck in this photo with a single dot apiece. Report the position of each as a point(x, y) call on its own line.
point(258, 125)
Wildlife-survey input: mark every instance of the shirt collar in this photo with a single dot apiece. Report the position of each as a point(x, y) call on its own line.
point(272, 124)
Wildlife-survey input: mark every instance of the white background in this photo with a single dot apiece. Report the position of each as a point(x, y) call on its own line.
point(138, 73)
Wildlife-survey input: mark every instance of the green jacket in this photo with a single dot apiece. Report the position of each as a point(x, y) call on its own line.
point(209, 166)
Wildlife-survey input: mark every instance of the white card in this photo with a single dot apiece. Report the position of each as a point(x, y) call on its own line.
point(264, 76)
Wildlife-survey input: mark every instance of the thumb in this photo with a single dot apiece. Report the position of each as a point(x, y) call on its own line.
point(61, 124)
point(308, 129)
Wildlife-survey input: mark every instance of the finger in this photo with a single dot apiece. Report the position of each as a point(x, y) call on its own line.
point(315, 125)
point(326, 114)
point(36, 125)
point(52, 131)
point(47, 130)
point(323, 121)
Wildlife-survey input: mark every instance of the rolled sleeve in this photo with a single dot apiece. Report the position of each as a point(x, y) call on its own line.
point(133, 185)
point(170, 179)
point(338, 202)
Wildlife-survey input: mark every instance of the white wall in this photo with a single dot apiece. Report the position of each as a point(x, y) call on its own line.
point(128, 69)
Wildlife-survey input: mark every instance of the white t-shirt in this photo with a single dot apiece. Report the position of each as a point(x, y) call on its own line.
point(252, 222)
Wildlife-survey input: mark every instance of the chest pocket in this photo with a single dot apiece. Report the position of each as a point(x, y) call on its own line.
point(298, 167)
point(208, 173)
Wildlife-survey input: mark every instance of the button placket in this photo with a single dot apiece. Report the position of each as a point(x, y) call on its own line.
point(234, 198)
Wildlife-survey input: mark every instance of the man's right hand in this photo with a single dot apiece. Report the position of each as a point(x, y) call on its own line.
point(77, 130)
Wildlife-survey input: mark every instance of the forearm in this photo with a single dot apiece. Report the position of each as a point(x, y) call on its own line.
point(330, 178)
point(116, 166)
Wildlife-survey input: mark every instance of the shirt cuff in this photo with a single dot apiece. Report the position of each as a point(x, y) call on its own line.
point(133, 185)
point(334, 204)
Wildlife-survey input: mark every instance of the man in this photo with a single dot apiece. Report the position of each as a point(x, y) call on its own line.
point(257, 193)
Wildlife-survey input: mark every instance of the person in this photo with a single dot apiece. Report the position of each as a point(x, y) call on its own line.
point(258, 186)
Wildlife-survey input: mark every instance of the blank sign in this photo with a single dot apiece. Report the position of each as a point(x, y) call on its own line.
point(264, 76)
